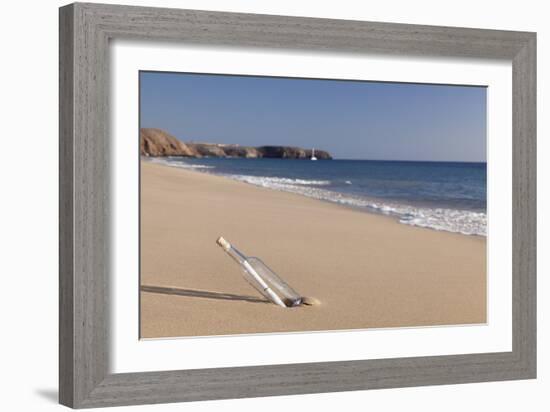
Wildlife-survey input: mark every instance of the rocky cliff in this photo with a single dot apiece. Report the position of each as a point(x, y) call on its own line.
point(156, 142)
point(235, 150)
point(289, 152)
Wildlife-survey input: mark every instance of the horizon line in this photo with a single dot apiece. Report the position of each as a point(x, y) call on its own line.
point(412, 160)
point(193, 141)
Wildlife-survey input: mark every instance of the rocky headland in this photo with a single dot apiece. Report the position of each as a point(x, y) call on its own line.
point(157, 142)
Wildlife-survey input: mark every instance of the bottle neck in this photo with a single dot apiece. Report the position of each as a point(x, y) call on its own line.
point(235, 254)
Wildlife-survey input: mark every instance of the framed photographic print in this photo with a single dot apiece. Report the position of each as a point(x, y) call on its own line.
point(257, 205)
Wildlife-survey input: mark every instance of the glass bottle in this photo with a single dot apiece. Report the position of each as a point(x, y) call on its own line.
point(262, 278)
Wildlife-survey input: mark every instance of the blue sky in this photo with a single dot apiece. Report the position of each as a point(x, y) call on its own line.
point(350, 119)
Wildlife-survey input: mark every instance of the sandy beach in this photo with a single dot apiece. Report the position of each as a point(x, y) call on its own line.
point(368, 270)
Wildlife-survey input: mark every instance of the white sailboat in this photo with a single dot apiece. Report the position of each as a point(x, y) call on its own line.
point(313, 154)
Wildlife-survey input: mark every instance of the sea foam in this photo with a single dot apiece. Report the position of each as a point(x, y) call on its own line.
point(277, 182)
point(175, 162)
point(451, 220)
point(467, 222)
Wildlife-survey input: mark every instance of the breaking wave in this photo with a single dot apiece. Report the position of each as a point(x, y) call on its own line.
point(468, 222)
point(451, 220)
point(168, 161)
point(277, 182)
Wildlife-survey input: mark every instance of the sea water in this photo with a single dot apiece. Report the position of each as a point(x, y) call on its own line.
point(449, 196)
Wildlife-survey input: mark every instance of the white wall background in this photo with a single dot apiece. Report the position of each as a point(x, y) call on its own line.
point(28, 206)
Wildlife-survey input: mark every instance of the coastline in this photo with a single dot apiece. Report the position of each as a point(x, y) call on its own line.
point(367, 269)
point(344, 186)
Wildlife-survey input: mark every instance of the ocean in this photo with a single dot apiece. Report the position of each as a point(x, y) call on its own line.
point(449, 196)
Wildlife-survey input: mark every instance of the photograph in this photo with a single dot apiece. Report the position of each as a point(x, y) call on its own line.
point(287, 205)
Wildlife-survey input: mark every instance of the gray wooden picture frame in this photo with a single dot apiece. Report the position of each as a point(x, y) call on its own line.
point(85, 32)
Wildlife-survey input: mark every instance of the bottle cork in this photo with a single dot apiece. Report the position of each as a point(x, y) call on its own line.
point(224, 244)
